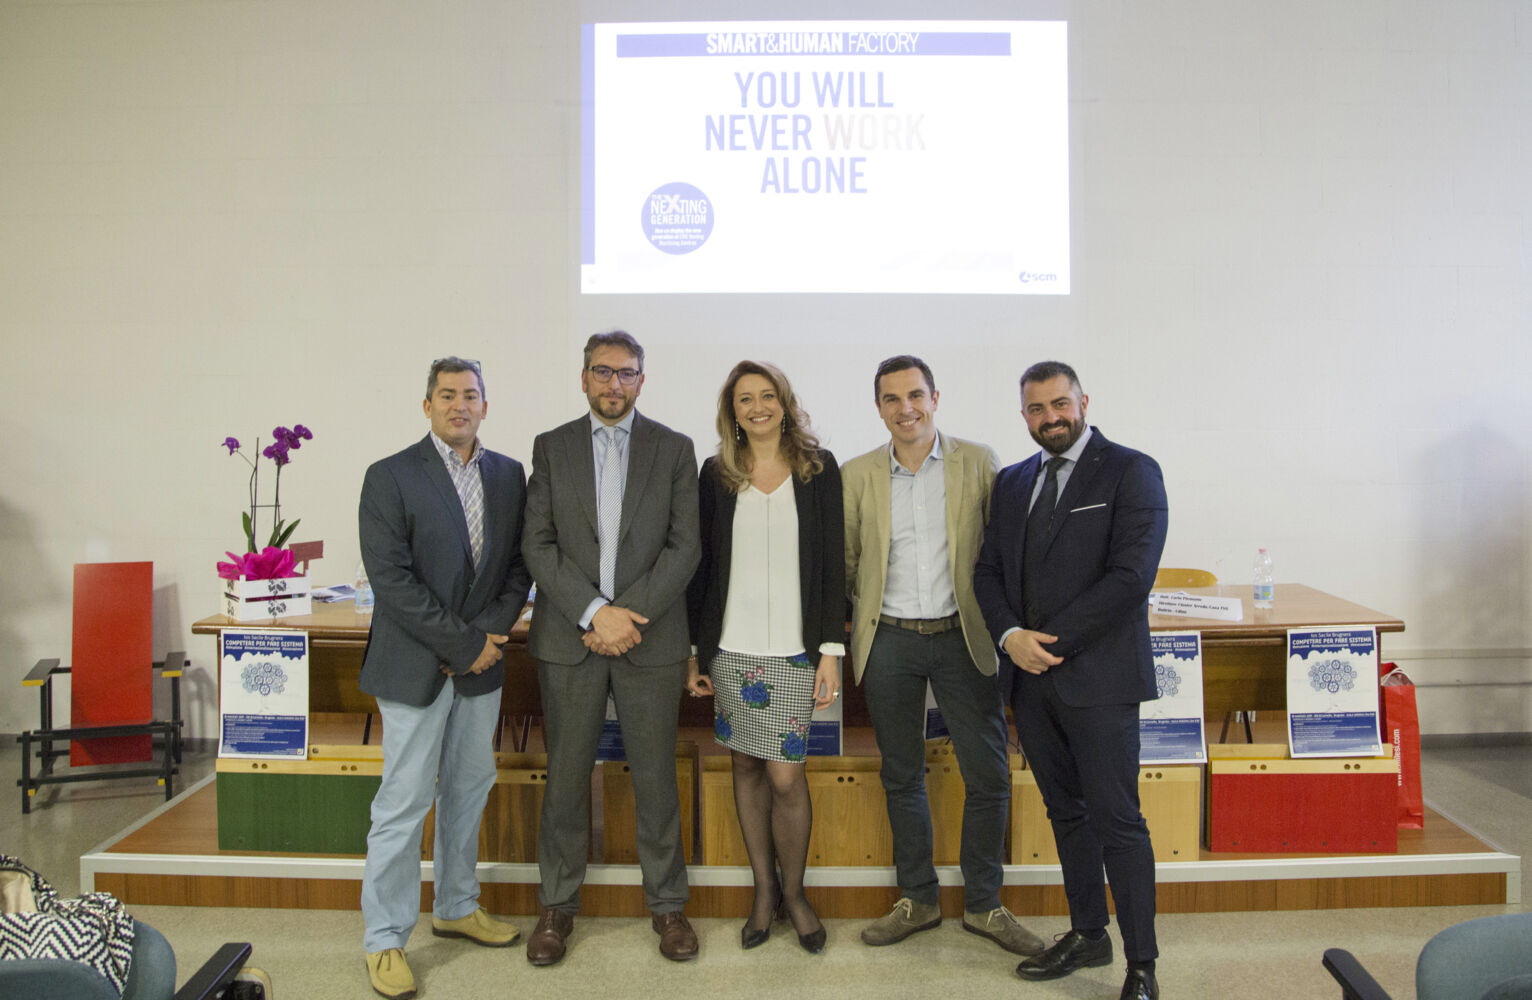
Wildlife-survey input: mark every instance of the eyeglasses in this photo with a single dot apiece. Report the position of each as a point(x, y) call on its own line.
point(604, 373)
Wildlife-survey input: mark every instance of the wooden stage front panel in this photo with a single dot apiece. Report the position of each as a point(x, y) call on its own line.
point(174, 860)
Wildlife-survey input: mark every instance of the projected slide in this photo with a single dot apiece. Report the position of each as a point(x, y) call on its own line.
point(826, 156)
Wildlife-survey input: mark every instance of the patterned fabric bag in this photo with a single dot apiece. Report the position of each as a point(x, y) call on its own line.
point(35, 923)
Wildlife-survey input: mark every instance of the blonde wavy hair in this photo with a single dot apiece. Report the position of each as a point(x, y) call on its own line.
point(800, 447)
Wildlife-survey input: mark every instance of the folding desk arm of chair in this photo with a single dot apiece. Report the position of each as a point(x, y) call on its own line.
point(175, 662)
point(40, 674)
point(1356, 982)
point(216, 973)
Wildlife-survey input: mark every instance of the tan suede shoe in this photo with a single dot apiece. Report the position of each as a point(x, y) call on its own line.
point(478, 927)
point(904, 919)
point(390, 974)
point(1001, 926)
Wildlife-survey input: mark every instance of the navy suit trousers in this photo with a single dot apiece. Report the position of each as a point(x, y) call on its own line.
point(1086, 764)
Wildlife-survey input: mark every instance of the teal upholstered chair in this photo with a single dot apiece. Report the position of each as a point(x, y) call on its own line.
point(151, 974)
point(1485, 959)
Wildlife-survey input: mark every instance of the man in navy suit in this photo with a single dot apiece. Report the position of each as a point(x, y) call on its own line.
point(1070, 552)
point(440, 528)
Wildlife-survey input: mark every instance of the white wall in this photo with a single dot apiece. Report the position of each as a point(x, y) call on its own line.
point(1301, 266)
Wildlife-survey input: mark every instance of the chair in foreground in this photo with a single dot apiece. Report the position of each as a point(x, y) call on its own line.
point(1485, 959)
point(151, 976)
point(111, 687)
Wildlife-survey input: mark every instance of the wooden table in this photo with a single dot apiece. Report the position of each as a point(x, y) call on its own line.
point(337, 639)
point(1244, 663)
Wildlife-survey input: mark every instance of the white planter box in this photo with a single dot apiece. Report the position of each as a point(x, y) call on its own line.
point(259, 600)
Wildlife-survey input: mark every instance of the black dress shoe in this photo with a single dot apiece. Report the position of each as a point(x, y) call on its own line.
point(1070, 952)
point(1139, 985)
point(814, 941)
point(753, 937)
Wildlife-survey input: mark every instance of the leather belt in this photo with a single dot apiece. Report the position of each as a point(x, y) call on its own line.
point(924, 626)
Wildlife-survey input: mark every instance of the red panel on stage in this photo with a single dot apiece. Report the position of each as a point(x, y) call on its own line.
point(1305, 813)
point(111, 680)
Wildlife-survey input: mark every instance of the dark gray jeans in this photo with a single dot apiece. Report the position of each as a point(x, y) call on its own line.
point(899, 664)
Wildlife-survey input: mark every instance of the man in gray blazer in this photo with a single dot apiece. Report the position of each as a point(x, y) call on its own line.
point(612, 540)
point(440, 526)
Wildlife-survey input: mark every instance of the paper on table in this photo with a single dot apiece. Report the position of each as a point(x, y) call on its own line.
point(1184, 605)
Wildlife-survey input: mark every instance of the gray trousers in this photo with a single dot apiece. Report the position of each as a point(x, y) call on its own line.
point(574, 708)
point(899, 664)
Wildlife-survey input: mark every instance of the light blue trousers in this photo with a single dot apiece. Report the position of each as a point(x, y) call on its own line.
point(443, 751)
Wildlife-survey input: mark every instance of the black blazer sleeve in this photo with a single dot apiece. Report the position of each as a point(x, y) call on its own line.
point(697, 590)
point(822, 561)
point(710, 583)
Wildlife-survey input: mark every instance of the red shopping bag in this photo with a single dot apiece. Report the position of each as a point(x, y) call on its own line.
point(1401, 724)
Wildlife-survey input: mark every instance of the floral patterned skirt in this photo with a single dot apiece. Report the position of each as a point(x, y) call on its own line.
point(762, 704)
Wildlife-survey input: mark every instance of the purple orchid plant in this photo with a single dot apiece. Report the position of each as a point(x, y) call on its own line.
point(268, 562)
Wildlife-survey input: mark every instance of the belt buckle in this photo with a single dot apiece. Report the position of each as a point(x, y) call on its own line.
point(926, 626)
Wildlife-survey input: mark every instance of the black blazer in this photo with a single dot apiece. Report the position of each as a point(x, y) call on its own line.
point(1101, 557)
point(821, 559)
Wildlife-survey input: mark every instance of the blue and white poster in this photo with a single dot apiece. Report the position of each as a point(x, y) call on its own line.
point(826, 725)
point(1332, 692)
point(263, 693)
point(936, 725)
point(1170, 727)
point(825, 156)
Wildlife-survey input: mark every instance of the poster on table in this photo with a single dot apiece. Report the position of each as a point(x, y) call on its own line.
point(1332, 692)
point(936, 724)
point(825, 156)
point(1170, 727)
point(263, 693)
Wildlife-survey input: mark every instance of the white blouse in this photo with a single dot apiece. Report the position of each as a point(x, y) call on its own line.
point(763, 611)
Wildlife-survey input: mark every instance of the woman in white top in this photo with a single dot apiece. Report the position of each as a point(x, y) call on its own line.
point(767, 610)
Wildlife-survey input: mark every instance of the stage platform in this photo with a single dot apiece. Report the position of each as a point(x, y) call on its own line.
point(172, 858)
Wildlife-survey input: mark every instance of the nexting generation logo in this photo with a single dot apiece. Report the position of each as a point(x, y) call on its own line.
point(677, 218)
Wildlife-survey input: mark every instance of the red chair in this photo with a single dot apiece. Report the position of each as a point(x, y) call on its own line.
point(111, 687)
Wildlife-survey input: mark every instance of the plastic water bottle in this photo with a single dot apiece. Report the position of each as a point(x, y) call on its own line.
point(364, 599)
point(1265, 588)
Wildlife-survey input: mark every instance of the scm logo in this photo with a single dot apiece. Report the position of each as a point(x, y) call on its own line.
point(1027, 277)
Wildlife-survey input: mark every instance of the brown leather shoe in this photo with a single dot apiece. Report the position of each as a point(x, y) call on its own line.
point(678, 942)
point(545, 946)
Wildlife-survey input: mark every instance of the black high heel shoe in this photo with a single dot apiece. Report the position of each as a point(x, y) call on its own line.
point(753, 937)
point(814, 941)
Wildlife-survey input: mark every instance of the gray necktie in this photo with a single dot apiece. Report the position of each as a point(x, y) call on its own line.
point(609, 511)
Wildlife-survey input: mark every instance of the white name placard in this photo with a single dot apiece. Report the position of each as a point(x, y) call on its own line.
point(1223, 609)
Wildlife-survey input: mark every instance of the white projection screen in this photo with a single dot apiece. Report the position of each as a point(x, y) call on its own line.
point(825, 156)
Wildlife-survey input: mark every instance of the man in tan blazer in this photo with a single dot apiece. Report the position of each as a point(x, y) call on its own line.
point(915, 513)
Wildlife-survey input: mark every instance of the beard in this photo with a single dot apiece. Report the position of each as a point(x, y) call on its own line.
point(610, 407)
point(1058, 436)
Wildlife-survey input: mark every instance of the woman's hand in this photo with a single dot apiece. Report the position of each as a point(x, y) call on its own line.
point(827, 681)
point(699, 685)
